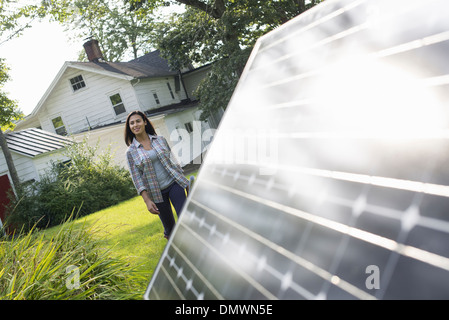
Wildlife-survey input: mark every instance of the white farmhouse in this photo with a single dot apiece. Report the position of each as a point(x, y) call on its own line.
point(94, 98)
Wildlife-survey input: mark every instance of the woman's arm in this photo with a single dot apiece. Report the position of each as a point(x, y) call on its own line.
point(136, 175)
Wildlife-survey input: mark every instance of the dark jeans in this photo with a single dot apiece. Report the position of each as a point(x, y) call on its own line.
point(174, 193)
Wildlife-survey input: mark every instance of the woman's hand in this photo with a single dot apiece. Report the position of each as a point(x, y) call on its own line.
point(151, 206)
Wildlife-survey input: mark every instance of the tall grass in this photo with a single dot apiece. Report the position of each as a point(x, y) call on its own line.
point(68, 265)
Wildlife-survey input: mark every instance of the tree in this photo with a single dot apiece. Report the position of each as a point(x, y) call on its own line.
point(223, 32)
point(9, 113)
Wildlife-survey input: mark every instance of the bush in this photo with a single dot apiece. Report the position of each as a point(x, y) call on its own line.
point(69, 265)
point(88, 183)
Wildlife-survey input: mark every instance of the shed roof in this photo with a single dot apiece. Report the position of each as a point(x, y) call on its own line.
point(34, 142)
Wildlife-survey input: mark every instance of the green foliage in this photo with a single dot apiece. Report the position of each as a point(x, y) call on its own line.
point(88, 183)
point(216, 89)
point(35, 266)
point(9, 110)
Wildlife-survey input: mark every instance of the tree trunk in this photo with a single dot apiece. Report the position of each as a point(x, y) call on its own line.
point(9, 161)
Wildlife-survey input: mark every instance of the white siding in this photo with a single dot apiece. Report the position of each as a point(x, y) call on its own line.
point(43, 163)
point(110, 137)
point(146, 88)
point(24, 166)
point(30, 123)
point(89, 105)
point(31, 168)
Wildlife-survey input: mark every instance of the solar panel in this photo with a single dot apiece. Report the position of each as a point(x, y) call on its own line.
point(328, 176)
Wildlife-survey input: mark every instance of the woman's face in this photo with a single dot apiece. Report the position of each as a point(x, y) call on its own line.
point(137, 124)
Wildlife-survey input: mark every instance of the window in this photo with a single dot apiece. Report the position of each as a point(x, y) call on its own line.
point(59, 126)
point(156, 98)
point(77, 83)
point(171, 91)
point(117, 104)
point(189, 127)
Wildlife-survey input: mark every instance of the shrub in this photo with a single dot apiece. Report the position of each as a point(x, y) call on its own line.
point(88, 183)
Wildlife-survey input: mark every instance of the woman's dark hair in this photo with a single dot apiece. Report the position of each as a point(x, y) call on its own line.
point(129, 135)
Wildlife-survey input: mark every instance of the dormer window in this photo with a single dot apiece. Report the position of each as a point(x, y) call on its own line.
point(77, 83)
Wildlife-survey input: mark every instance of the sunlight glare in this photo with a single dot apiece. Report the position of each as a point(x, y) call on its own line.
point(368, 95)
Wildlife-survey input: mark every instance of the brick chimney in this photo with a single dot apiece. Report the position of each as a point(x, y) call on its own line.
point(93, 50)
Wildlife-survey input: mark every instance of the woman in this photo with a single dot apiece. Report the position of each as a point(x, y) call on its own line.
point(157, 176)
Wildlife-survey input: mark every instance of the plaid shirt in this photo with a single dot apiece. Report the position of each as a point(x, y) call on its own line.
point(142, 170)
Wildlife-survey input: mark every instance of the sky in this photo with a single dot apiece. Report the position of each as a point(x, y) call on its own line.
point(34, 60)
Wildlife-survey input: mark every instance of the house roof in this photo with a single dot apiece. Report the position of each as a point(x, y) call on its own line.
point(148, 66)
point(34, 142)
point(173, 108)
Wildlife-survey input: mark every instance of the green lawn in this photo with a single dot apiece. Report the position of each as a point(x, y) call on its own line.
point(130, 232)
